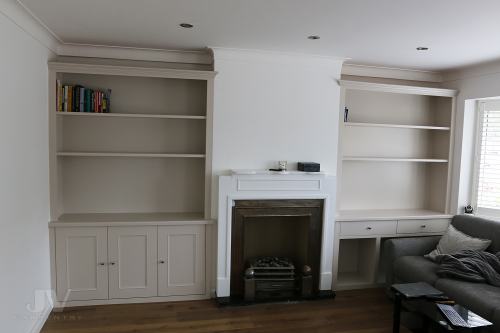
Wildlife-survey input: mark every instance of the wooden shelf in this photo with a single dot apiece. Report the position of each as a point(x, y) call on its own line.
point(138, 155)
point(359, 124)
point(385, 159)
point(130, 115)
point(388, 214)
point(116, 219)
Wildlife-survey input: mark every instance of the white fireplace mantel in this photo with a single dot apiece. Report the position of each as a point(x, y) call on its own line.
point(254, 185)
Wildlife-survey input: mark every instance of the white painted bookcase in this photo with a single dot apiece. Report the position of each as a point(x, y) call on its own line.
point(393, 173)
point(130, 189)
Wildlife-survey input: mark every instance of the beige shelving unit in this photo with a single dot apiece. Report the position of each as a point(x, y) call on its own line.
point(149, 155)
point(393, 174)
point(131, 188)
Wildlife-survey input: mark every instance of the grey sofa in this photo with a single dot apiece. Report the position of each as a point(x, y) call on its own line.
point(405, 263)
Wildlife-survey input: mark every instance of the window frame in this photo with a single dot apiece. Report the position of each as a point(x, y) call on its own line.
point(479, 119)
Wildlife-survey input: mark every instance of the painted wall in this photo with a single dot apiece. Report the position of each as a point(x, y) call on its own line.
point(24, 190)
point(272, 106)
point(477, 82)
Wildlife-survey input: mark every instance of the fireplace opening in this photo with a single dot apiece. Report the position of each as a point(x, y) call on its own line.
point(276, 249)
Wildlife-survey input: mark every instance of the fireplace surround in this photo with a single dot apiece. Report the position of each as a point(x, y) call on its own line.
point(268, 189)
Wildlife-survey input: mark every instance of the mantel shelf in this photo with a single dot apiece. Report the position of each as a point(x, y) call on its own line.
point(385, 159)
point(130, 115)
point(423, 127)
point(139, 155)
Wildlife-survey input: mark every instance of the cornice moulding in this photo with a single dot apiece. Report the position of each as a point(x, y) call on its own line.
point(391, 73)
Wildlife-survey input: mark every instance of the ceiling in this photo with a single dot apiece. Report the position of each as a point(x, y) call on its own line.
point(370, 32)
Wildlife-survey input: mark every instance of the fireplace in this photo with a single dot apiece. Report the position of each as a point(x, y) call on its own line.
point(287, 230)
point(261, 214)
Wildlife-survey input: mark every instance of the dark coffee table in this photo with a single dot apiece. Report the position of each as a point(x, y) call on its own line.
point(415, 298)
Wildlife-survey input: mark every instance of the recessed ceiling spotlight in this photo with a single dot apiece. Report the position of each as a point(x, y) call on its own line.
point(313, 37)
point(422, 48)
point(186, 25)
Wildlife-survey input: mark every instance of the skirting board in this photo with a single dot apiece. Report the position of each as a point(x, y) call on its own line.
point(61, 305)
point(42, 318)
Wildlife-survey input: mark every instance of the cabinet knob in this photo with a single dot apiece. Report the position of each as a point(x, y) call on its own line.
point(423, 226)
point(112, 263)
point(161, 261)
point(368, 228)
point(102, 264)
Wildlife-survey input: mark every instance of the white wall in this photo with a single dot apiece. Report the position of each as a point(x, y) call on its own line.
point(477, 82)
point(24, 191)
point(272, 106)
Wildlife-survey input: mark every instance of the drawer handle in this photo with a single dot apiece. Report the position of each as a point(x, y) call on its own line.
point(368, 228)
point(423, 226)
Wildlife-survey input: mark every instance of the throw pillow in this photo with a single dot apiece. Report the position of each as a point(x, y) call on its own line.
point(454, 240)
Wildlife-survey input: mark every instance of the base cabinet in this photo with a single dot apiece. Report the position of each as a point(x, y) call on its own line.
point(181, 252)
point(106, 263)
point(82, 264)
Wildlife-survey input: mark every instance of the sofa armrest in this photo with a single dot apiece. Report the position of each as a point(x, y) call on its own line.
point(399, 247)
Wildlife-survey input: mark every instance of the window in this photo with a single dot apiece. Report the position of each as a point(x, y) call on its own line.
point(486, 196)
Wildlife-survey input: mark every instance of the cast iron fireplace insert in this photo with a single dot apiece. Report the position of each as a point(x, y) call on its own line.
point(289, 228)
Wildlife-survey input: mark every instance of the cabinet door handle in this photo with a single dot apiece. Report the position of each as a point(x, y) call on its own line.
point(161, 261)
point(102, 264)
point(112, 263)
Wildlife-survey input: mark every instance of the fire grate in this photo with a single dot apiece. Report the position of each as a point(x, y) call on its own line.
point(275, 278)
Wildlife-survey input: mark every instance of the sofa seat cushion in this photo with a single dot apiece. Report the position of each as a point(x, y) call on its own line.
point(415, 269)
point(481, 298)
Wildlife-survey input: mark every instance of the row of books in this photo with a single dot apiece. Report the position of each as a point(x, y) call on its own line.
point(77, 98)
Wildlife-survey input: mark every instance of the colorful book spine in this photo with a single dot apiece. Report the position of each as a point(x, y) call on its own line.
point(70, 98)
point(59, 96)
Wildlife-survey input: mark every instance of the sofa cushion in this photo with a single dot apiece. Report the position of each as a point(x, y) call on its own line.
point(415, 269)
point(454, 241)
point(481, 298)
point(480, 228)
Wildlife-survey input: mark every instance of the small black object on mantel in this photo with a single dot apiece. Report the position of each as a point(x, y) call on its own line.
point(308, 166)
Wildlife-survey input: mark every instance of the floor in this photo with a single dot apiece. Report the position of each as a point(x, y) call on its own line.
point(357, 311)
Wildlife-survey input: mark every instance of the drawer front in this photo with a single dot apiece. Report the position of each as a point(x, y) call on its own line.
point(422, 226)
point(364, 228)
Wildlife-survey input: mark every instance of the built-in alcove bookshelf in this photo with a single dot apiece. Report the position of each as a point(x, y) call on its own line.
point(148, 158)
point(395, 149)
point(394, 168)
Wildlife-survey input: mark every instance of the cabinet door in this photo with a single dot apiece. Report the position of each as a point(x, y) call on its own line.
point(132, 253)
point(81, 259)
point(181, 255)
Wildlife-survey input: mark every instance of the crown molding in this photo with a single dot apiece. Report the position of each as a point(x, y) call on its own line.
point(25, 20)
point(391, 73)
point(132, 53)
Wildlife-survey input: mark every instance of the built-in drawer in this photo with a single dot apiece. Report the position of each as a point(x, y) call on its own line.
point(422, 226)
point(363, 228)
